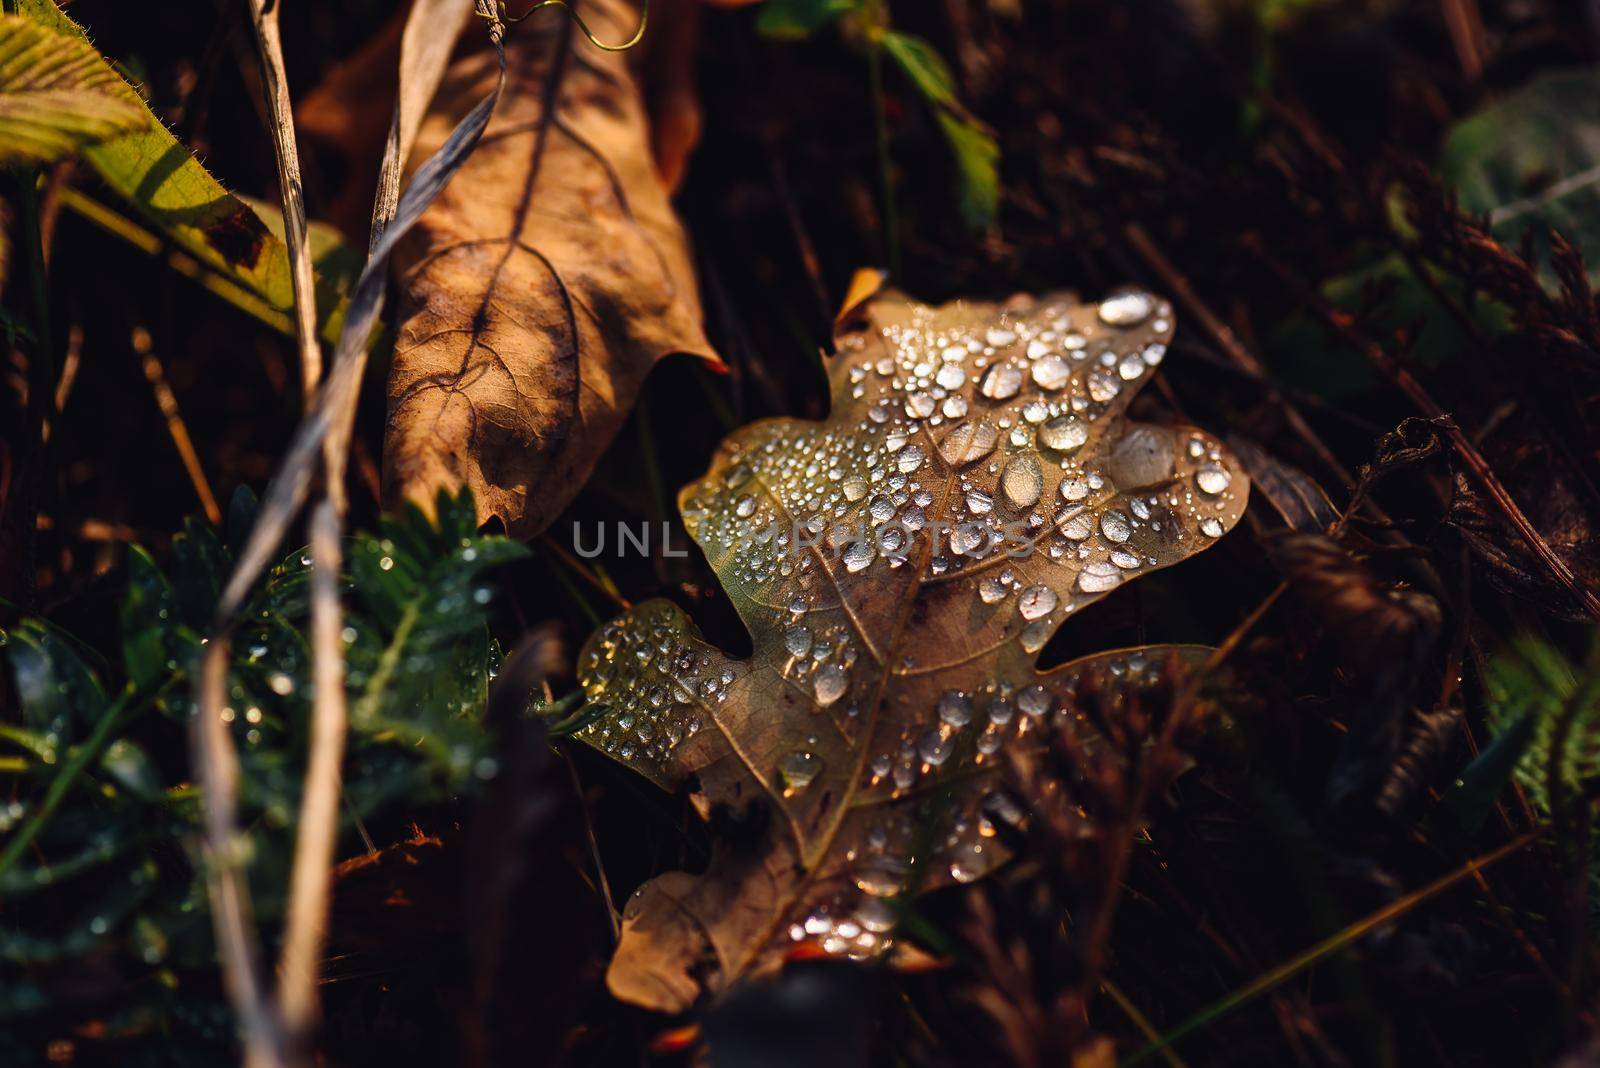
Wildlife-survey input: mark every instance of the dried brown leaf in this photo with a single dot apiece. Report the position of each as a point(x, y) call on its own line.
point(899, 567)
point(544, 283)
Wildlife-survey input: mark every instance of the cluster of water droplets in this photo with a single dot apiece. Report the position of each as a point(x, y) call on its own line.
point(970, 451)
point(657, 687)
point(969, 727)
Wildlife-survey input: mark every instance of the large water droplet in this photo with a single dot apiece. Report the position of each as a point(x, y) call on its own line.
point(1115, 526)
point(797, 640)
point(1035, 700)
point(1103, 386)
point(1098, 577)
point(1143, 457)
point(1001, 382)
point(933, 748)
point(1126, 307)
point(1212, 479)
point(1023, 480)
point(991, 590)
point(798, 769)
point(1063, 433)
point(859, 555)
point(1035, 635)
point(909, 459)
point(881, 876)
point(1036, 602)
point(967, 443)
point(876, 915)
point(830, 684)
point(955, 708)
point(1052, 373)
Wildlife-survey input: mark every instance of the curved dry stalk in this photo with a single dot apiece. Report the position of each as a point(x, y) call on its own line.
point(325, 429)
point(311, 878)
point(232, 917)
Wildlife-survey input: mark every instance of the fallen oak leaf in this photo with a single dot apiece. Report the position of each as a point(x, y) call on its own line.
point(899, 567)
point(544, 283)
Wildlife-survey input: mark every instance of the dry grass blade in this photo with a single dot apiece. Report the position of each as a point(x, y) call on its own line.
point(332, 409)
point(269, 41)
point(318, 828)
point(1331, 945)
point(167, 401)
point(429, 38)
point(310, 877)
point(232, 915)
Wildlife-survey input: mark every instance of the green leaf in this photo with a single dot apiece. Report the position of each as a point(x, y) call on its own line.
point(795, 19)
point(149, 615)
point(1533, 687)
point(1475, 790)
point(1531, 161)
point(924, 66)
point(200, 567)
point(242, 509)
point(158, 175)
point(57, 691)
point(336, 262)
point(977, 169)
point(129, 765)
point(976, 155)
point(56, 95)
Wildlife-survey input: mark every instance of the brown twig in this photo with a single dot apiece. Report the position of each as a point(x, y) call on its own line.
point(168, 403)
point(1465, 24)
point(1178, 285)
point(269, 41)
point(1398, 376)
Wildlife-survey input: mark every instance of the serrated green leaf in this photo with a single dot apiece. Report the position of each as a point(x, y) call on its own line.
point(151, 170)
point(336, 261)
point(795, 19)
point(56, 95)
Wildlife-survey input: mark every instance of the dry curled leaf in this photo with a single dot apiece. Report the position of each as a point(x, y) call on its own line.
point(544, 283)
point(899, 567)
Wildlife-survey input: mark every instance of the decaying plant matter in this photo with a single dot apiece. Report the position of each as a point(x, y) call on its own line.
point(543, 285)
